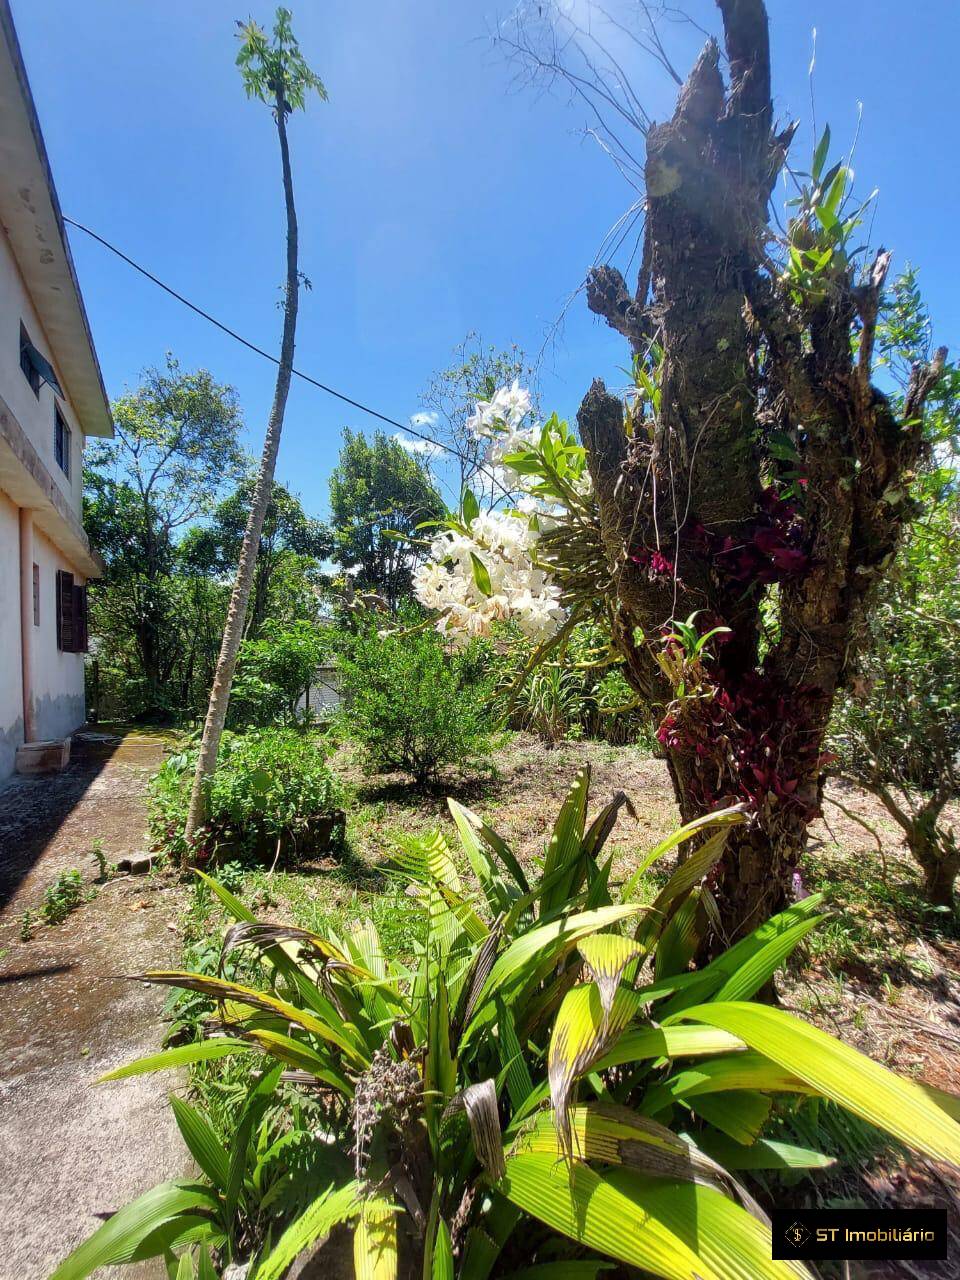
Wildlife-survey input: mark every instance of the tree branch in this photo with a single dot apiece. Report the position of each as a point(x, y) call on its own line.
point(609, 298)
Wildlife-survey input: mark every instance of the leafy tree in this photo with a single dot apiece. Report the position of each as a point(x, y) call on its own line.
point(188, 611)
point(377, 491)
point(274, 671)
point(289, 537)
point(175, 448)
point(897, 730)
point(276, 74)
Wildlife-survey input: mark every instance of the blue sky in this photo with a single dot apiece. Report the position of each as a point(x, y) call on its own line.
point(435, 196)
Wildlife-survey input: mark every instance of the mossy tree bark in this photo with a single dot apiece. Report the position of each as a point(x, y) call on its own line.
point(697, 509)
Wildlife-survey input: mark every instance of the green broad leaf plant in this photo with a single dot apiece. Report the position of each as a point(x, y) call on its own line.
point(546, 1082)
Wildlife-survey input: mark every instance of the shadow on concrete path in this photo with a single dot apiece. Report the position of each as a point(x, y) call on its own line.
point(33, 809)
point(73, 1151)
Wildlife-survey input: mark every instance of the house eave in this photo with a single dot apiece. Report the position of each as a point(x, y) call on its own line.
point(31, 216)
point(25, 479)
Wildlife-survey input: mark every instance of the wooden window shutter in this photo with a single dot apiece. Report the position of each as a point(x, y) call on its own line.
point(79, 619)
point(66, 628)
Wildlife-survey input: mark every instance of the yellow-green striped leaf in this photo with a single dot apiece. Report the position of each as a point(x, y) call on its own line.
point(565, 845)
point(722, 818)
point(851, 1079)
point(301, 1057)
point(667, 1042)
point(375, 1241)
point(736, 1071)
point(183, 1056)
point(765, 1153)
point(549, 941)
point(607, 954)
point(220, 989)
point(580, 1032)
point(611, 1134)
point(763, 964)
point(316, 1221)
point(582, 1205)
point(732, 1243)
point(740, 1113)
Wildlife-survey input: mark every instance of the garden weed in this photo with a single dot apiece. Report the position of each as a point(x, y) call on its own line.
point(62, 897)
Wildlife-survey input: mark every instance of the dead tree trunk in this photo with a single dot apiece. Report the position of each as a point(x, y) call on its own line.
point(763, 489)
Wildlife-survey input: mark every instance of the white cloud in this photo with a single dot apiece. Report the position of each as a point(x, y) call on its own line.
point(425, 448)
point(424, 419)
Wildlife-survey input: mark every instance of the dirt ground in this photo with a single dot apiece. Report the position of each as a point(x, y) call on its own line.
point(72, 1151)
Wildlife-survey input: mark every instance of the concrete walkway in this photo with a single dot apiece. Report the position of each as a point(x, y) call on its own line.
point(71, 1152)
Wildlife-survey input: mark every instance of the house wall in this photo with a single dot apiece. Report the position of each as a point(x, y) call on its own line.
point(325, 694)
point(58, 697)
point(11, 680)
point(34, 413)
point(57, 678)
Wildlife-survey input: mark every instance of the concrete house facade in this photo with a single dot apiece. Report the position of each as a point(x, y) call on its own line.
point(51, 398)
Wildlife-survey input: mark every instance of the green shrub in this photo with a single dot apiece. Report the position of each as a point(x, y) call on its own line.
point(413, 706)
point(273, 673)
point(547, 1082)
point(270, 785)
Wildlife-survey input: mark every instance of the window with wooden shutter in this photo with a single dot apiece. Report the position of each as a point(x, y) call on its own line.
point(80, 619)
point(61, 441)
point(66, 609)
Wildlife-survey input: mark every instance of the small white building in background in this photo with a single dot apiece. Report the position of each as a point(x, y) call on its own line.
point(51, 398)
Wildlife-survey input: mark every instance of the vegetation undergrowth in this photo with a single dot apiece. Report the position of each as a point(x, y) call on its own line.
point(878, 915)
point(273, 791)
point(540, 1077)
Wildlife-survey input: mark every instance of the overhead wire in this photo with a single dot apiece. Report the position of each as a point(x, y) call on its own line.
point(252, 346)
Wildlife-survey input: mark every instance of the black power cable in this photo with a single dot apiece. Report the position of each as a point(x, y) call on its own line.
point(305, 377)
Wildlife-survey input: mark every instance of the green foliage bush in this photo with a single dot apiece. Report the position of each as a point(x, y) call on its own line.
point(62, 897)
point(571, 697)
point(273, 673)
point(271, 785)
point(413, 706)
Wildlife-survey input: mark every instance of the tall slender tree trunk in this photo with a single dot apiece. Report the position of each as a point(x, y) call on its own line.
point(236, 614)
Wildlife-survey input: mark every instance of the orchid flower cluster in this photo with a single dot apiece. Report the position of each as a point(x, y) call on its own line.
point(487, 574)
point(500, 421)
point(490, 567)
